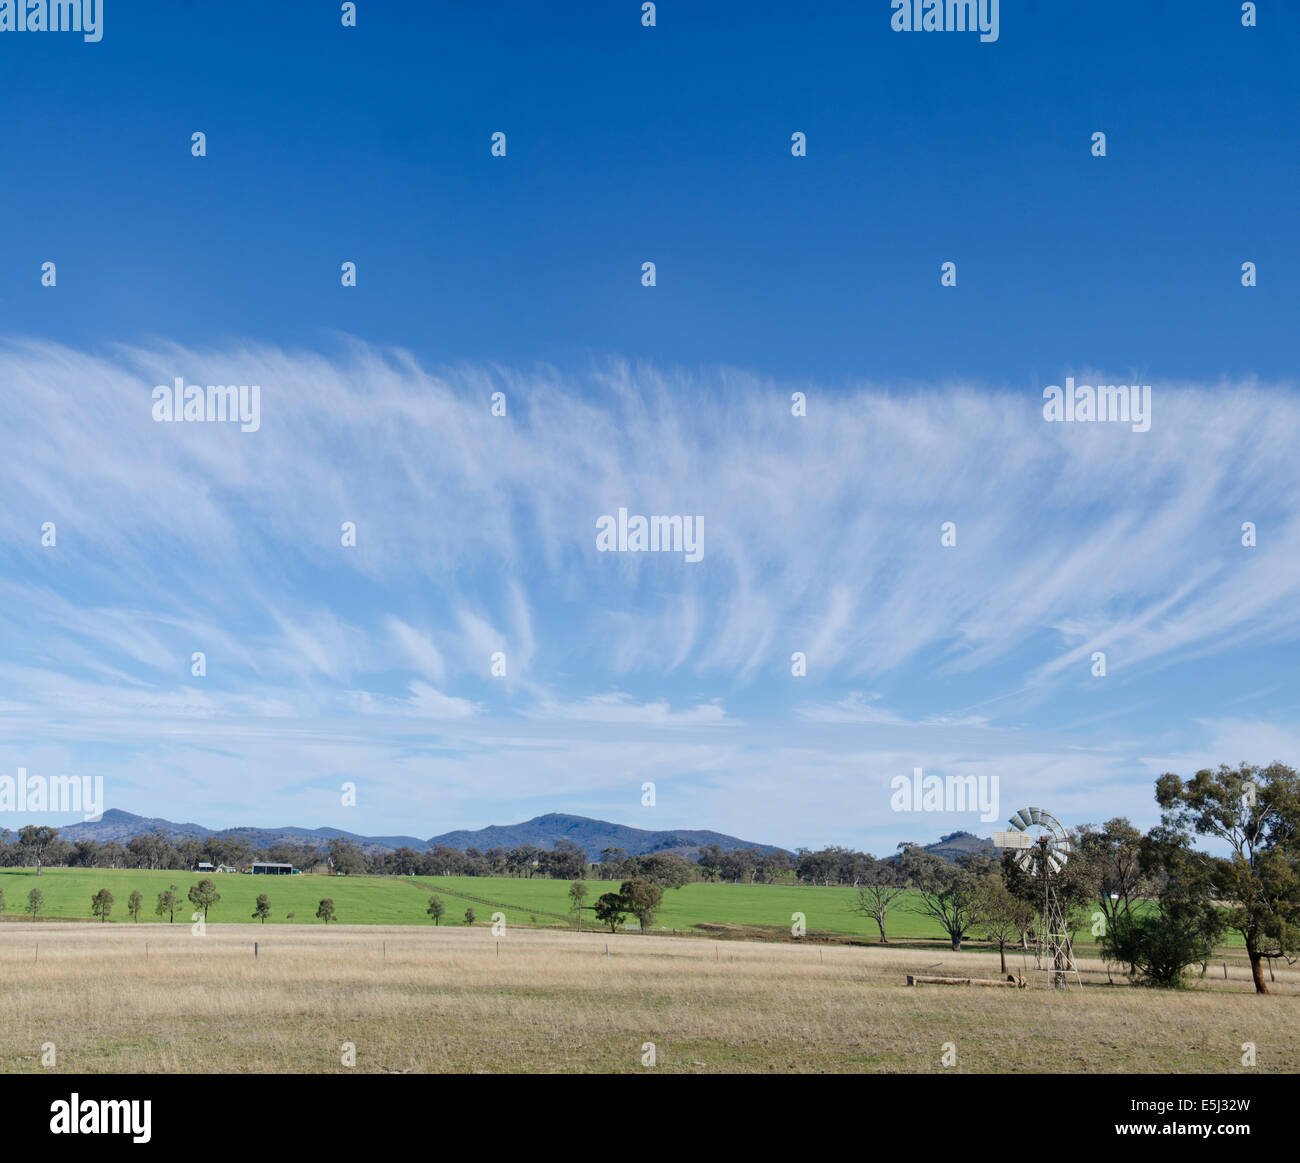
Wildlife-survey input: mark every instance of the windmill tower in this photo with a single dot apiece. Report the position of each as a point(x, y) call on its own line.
point(1041, 845)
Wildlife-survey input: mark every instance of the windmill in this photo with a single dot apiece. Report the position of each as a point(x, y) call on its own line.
point(1041, 845)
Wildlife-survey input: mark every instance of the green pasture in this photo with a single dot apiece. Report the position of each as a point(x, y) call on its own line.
point(381, 900)
point(358, 900)
point(770, 906)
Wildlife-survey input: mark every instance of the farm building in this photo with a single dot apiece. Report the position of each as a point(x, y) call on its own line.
point(268, 868)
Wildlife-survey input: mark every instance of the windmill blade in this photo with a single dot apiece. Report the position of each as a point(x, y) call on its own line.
point(1021, 820)
point(1054, 862)
point(1036, 814)
point(1026, 861)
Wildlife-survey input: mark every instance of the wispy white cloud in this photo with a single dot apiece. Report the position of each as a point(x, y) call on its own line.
point(475, 533)
point(417, 650)
point(859, 708)
point(424, 701)
point(617, 707)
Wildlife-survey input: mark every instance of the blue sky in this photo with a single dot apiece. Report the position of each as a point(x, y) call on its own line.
point(522, 275)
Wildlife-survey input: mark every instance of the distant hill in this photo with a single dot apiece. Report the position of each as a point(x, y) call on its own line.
point(123, 826)
point(592, 836)
point(542, 832)
point(955, 843)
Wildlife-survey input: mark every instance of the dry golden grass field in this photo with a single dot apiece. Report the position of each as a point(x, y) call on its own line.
point(450, 999)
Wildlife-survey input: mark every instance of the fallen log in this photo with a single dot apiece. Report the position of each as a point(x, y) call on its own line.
point(921, 979)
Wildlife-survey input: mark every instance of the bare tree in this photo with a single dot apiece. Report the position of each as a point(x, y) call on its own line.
point(880, 886)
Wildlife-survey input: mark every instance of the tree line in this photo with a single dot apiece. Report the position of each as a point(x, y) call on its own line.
point(202, 897)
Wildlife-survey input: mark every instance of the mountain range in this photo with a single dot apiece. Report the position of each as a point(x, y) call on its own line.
point(542, 832)
point(592, 836)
